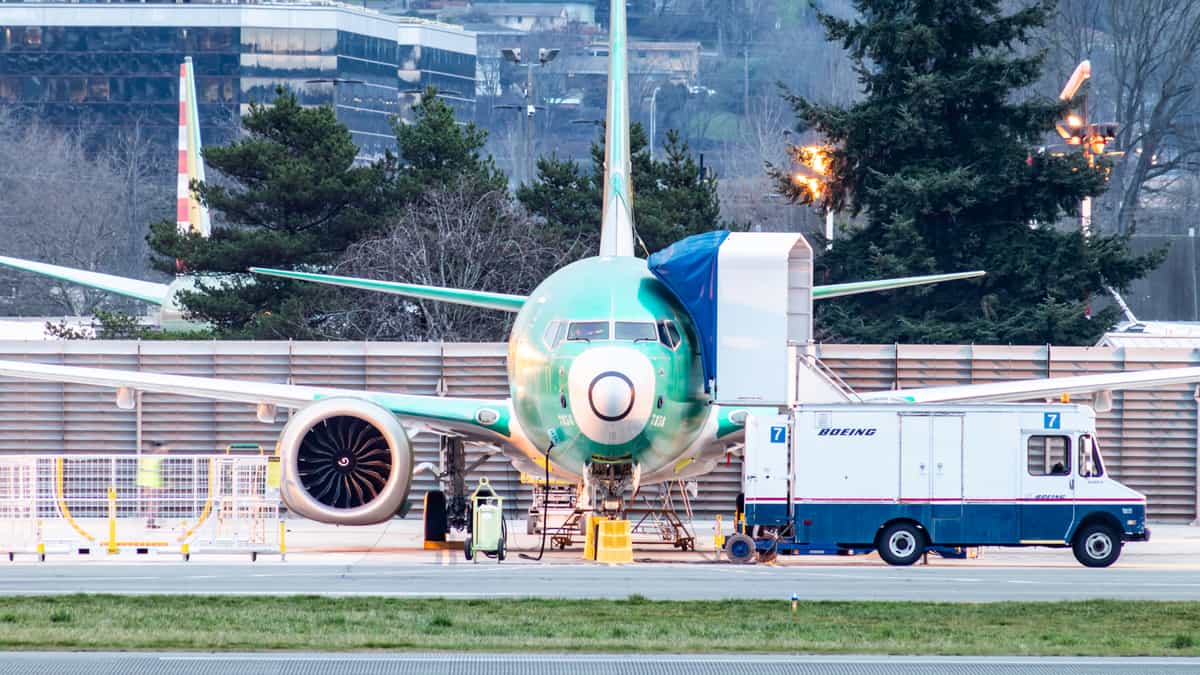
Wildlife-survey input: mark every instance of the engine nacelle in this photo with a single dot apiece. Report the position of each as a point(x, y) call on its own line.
point(345, 461)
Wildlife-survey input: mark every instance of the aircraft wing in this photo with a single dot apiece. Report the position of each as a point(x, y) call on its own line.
point(1023, 390)
point(501, 301)
point(482, 419)
point(856, 287)
point(148, 291)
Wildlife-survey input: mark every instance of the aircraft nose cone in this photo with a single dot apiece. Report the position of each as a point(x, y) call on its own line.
point(611, 391)
point(611, 395)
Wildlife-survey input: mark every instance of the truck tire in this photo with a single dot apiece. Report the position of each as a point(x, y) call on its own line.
point(901, 544)
point(739, 548)
point(1097, 545)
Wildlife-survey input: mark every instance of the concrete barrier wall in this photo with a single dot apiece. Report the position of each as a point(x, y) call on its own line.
point(1149, 438)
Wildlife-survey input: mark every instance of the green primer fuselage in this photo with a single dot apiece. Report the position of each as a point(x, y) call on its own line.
point(550, 410)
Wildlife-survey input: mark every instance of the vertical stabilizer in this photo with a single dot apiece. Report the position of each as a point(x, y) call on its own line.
point(616, 230)
point(190, 214)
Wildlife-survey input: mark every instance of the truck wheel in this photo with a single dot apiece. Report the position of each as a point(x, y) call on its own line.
point(740, 549)
point(435, 516)
point(901, 544)
point(467, 552)
point(1097, 545)
point(769, 554)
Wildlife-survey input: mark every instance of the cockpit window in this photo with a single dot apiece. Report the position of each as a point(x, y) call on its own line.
point(668, 334)
point(588, 331)
point(551, 333)
point(636, 330)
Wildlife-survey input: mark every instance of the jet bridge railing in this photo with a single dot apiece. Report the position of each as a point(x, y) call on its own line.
point(153, 503)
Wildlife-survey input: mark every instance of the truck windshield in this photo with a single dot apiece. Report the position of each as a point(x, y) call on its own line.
point(1090, 465)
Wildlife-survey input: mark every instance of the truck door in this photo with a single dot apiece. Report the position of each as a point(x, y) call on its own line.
point(765, 469)
point(946, 467)
point(916, 439)
point(931, 449)
point(1047, 503)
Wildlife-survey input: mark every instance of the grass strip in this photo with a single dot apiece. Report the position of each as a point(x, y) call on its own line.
point(237, 623)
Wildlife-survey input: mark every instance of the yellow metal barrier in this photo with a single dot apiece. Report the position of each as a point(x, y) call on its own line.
point(62, 502)
point(112, 521)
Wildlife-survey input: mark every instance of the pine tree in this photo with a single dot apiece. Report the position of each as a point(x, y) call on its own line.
point(938, 158)
point(671, 199)
point(293, 197)
point(435, 152)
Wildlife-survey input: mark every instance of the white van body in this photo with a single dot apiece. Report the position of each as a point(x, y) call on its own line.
point(964, 475)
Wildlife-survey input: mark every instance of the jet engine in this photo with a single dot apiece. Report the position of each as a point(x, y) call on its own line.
point(345, 461)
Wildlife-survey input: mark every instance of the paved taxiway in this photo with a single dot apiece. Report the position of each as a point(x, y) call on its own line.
point(27, 663)
point(964, 582)
point(388, 561)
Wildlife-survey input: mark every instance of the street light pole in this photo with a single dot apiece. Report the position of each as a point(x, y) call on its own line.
point(653, 119)
point(530, 109)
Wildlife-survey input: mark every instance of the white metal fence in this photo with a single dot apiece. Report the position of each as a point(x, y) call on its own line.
point(150, 503)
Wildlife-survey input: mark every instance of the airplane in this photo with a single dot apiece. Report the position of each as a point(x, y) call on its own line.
point(191, 215)
point(596, 350)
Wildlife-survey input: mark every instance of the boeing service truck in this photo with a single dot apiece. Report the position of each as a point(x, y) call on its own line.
point(904, 480)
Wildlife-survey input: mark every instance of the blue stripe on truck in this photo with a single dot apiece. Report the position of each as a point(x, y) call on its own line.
point(948, 523)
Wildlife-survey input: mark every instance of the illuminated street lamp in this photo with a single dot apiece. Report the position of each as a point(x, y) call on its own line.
point(1076, 129)
point(815, 159)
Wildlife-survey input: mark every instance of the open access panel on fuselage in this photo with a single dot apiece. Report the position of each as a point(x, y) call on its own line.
point(982, 474)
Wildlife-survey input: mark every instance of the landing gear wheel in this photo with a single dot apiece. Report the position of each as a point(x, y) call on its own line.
point(435, 515)
point(740, 549)
point(467, 553)
point(1097, 545)
point(901, 544)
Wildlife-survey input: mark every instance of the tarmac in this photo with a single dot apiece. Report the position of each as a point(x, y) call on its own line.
point(388, 560)
point(26, 663)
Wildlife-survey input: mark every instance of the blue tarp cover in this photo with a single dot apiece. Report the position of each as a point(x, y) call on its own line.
point(689, 268)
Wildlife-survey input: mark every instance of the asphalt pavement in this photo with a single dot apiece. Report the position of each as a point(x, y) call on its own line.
point(674, 581)
point(389, 561)
point(31, 663)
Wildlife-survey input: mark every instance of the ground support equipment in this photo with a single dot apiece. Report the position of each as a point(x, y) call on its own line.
point(661, 518)
point(748, 544)
point(489, 533)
